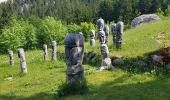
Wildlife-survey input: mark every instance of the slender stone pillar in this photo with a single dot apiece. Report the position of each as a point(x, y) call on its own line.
point(23, 64)
point(113, 29)
point(119, 29)
point(11, 57)
point(54, 48)
point(45, 52)
point(92, 38)
point(74, 51)
point(106, 30)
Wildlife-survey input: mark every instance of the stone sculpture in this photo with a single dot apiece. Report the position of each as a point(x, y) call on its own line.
point(92, 38)
point(106, 30)
point(74, 51)
point(113, 29)
point(23, 64)
point(45, 52)
point(100, 24)
point(54, 48)
point(119, 32)
point(11, 57)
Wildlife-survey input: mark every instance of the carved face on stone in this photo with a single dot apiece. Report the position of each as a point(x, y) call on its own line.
point(102, 37)
point(74, 48)
point(20, 53)
point(54, 44)
point(100, 24)
point(106, 30)
point(104, 51)
point(74, 51)
point(114, 28)
point(92, 34)
point(10, 53)
point(120, 27)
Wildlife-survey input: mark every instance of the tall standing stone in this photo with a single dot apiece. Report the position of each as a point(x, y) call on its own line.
point(45, 49)
point(113, 29)
point(74, 51)
point(106, 30)
point(119, 32)
point(54, 48)
point(11, 57)
point(92, 38)
point(23, 64)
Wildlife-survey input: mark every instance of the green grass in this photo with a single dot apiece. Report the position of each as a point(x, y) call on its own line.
point(43, 78)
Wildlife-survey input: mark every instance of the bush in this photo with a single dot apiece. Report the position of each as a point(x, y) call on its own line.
point(30, 36)
point(73, 28)
point(50, 30)
point(72, 89)
point(12, 36)
point(85, 29)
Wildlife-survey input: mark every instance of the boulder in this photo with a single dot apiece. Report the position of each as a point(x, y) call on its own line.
point(146, 18)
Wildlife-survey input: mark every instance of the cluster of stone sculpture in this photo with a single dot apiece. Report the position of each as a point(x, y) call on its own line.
point(21, 55)
point(103, 38)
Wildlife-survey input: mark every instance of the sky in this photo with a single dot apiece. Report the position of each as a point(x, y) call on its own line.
point(2, 0)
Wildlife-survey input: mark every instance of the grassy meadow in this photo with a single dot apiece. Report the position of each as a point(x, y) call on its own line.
point(43, 78)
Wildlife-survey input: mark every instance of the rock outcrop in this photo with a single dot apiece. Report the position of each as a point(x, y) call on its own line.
point(144, 19)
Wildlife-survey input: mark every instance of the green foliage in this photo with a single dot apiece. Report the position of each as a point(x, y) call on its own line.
point(65, 89)
point(85, 29)
point(12, 36)
point(73, 28)
point(30, 36)
point(167, 11)
point(50, 30)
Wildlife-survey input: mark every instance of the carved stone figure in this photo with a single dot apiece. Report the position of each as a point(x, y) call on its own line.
point(100, 24)
point(54, 48)
point(106, 30)
point(92, 38)
point(102, 37)
point(106, 61)
point(23, 64)
point(113, 29)
point(11, 57)
point(45, 52)
point(74, 51)
point(119, 32)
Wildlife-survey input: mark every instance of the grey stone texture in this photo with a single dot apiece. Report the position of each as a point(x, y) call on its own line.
point(23, 64)
point(54, 51)
point(106, 30)
point(113, 29)
point(45, 49)
point(11, 57)
point(74, 51)
point(119, 33)
point(146, 18)
point(92, 38)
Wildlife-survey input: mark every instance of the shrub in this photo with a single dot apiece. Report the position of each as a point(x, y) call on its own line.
point(12, 36)
point(85, 29)
point(73, 28)
point(50, 30)
point(72, 89)
point(30, 36)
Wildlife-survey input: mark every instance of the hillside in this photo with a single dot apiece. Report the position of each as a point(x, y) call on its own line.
point(43, 78)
